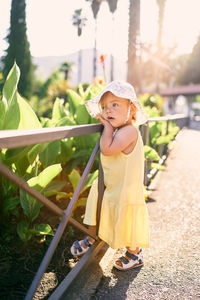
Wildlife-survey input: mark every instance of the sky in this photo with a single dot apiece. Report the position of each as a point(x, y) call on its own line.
point(50, 30)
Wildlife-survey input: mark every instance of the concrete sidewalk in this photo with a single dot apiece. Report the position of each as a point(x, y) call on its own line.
point(171, 269)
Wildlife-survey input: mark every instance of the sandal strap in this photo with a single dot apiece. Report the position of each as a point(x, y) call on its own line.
point(78, 246)
point(131, 256)
point(124, 260)
point(87, 242)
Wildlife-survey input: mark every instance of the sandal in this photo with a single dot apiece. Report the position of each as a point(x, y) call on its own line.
point(80, 250)
point(129, 261)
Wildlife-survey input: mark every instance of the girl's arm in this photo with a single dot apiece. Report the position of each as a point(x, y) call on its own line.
point(124, 137)
point(107, 135)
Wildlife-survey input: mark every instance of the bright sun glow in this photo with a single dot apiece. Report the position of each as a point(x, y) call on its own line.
point(181, 23)
point(50, 30)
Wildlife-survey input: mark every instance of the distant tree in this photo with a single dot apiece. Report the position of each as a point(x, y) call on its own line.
point(79, 21)
point(190, 72)
point(112, 5)
point(66, 67)
point(18, 48)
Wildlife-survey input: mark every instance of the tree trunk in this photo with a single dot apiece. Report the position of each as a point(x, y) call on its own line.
point(161, 9)
point(133, 37)
point(95, 51)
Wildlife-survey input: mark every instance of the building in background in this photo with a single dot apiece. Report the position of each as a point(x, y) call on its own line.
point(47, 65)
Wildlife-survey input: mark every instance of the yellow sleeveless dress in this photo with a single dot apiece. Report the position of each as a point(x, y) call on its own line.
point(124, 215)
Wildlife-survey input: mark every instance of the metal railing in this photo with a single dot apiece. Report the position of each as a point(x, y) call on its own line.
point(180, 120)
point(18, 138)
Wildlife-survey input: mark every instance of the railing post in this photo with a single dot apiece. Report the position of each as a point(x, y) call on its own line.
point(145, 136)
point(101, 188)
point(167, 128)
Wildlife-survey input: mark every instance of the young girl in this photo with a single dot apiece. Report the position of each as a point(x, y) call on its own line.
point(124, 216)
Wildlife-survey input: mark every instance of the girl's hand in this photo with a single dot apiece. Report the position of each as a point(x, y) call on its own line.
point(103, 121)
point(100, 118)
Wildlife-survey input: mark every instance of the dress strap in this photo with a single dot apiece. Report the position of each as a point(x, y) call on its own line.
point(114, 132)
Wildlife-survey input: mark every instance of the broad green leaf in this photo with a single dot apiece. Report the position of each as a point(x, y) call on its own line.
point(157, 166)
point(30, 205)
point(36, 150)
point(50, 154)
point(154, 130)
point(80, 202)
point(43, 229)
point(9, 204)
point(2, 113)
point(74, 101)
point(63, 195)
point(66, 121)
point(80, 157)
point(12, 155)
point(12, 116)
point(81, 90)
point(10, 86)
point(23, 231)
point(151, 154)
point(54, 187)
point(66, 150)
point(44, 178)
point(28, 118)
point(22, 165)
point(74, 178)
point(51, 193)
point(163, 139)
point(82, 116)
point(86, 142)
point(90, 178)
point(20, 115)
point(58, 111)
point(88, 94)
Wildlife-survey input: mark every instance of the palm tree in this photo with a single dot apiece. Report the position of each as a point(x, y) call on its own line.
point(95, 5)
point(112, 7)
point(133, 37)
point(161, 9)
point(79, 21)
point(66, 67)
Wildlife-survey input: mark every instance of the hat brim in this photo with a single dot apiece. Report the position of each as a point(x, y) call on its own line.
point(93, 105)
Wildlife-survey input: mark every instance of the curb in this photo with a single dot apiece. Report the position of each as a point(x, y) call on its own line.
point(88, 280)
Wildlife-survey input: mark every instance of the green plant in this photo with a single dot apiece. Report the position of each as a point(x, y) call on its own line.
point(40, 164)
point(74, 178)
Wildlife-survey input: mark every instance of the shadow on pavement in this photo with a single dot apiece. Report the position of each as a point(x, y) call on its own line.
point(116, 285)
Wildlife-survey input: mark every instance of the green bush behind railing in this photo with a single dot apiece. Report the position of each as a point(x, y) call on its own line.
point(42, 164)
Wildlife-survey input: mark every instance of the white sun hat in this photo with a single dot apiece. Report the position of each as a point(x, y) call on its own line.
point(120, 89)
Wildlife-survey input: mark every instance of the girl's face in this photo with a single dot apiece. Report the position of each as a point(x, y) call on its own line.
point(115, 109)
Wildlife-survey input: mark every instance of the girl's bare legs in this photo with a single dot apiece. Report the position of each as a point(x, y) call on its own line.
point(133, 251)
point(93, 230)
